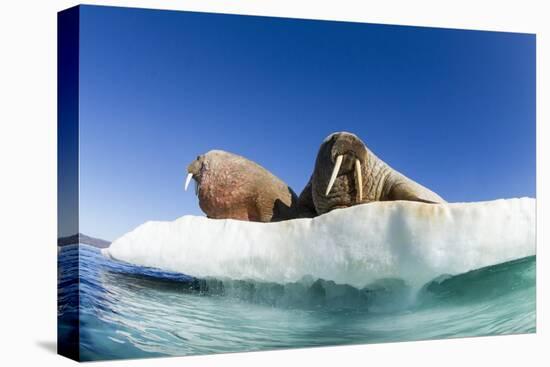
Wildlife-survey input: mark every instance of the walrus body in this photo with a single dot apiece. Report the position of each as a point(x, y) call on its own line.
point(347, 173)
point(231, 186)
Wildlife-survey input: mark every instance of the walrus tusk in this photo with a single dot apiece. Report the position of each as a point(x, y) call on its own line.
point(359, 178)
point(189, 177)
point(334, 173)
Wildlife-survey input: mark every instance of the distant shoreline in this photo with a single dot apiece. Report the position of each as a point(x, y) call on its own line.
point(82, 238)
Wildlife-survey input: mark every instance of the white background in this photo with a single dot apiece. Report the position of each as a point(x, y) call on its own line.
point(28, 181)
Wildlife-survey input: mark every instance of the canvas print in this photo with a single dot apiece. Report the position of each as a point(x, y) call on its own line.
point(233, 183)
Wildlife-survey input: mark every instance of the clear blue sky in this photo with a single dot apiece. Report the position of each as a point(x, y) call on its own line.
point(452, 109)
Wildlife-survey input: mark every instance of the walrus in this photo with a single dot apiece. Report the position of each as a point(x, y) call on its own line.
point(232, 187)
point(347, 173)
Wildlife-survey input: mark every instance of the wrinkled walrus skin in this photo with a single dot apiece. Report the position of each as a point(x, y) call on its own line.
point(361, 177)
point(232, 187)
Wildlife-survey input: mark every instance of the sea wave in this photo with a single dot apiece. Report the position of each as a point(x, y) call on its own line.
point(110, 309)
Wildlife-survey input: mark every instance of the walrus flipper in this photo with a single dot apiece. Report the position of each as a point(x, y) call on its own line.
point(306, 207)
point(412, 191)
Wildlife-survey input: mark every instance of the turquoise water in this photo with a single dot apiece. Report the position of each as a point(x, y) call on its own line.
point(130, 312)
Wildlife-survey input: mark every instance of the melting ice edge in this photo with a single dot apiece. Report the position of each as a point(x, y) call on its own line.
point(357, 246)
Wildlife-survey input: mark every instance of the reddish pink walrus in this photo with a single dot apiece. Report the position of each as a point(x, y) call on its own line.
point(231, 186)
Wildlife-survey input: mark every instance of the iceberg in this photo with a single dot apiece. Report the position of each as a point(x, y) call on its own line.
point(412, 241)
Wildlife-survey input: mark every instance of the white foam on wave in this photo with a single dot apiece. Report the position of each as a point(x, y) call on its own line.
point(357, 245)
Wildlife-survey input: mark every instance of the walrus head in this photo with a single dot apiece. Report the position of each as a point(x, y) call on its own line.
point(338, 175)
point(195, 171)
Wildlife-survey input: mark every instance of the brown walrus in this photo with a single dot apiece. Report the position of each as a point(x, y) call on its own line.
point(347, 173)
point(231, 186)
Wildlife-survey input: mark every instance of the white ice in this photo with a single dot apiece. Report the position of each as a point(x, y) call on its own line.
point(408, 240)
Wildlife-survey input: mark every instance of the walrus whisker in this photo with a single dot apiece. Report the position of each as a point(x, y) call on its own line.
point(334, 173)
point(187, 180)
point(359, 179)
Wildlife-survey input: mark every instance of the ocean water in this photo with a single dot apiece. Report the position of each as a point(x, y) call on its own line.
point(128, 311)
